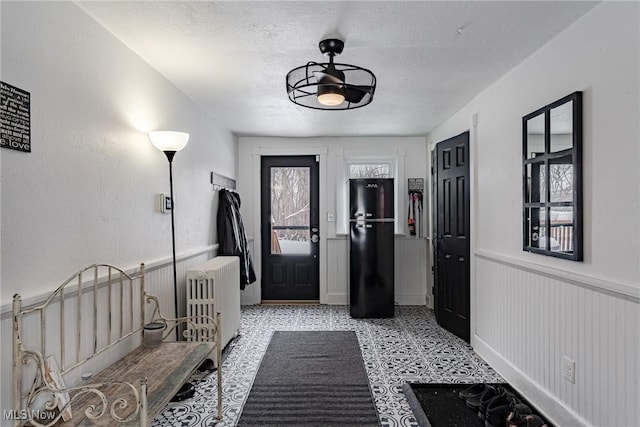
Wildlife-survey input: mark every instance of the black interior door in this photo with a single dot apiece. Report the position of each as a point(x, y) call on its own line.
point(290, 228)
point(452, 245)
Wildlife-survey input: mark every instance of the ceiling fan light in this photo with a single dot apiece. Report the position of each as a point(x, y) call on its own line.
point(330, 96)
point(330, 86)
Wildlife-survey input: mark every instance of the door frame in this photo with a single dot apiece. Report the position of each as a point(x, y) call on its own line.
point(290, 262)
point(253, 294)
point(432, 141)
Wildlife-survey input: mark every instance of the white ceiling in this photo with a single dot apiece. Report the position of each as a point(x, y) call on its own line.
point(430, 58)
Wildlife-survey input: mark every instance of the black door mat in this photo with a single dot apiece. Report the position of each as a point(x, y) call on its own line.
point(438, 405)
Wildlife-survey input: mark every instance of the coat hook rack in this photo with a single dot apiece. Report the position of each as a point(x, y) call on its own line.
point(221, 182)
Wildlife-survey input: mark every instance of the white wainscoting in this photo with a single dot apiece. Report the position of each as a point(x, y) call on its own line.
point(411, 266)
point(528, 320)
point(158, 281)
point(251, 294)
point(337, 270)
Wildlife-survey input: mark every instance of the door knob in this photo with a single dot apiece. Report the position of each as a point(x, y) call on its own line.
point(315, 238)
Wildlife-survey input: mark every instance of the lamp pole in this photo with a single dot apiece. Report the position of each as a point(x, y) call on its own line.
point(170, 155)
point(170, 142)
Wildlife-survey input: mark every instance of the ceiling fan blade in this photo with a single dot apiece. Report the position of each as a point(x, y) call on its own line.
point(326, 78)
point(354, 94)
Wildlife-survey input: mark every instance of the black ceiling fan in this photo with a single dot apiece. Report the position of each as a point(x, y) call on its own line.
point(331, 85)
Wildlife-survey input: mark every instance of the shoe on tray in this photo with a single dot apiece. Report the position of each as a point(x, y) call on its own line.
point(499, 408)
point(486, 398)
point(474, 402)
point(517, 415)
point(472, 391)
point(530, 420)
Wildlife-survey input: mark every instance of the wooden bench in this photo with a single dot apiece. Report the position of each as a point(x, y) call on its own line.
point(130, 391)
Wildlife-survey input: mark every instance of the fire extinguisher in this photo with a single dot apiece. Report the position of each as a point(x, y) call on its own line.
point(410, 214)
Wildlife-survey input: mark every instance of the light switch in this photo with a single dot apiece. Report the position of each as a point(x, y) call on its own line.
point(163, 203)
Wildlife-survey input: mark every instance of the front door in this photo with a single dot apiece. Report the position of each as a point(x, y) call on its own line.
point(452, 245)
point(290, 228)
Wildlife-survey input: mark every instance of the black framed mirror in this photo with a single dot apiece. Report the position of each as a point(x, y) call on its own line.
point(552, 179)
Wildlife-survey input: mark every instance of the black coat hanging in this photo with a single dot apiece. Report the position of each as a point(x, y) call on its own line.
point(232, 239)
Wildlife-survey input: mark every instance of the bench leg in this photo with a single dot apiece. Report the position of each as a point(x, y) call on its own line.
point(219, 357)
point(144, 422)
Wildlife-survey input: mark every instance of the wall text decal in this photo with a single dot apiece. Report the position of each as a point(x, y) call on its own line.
point(15, 118)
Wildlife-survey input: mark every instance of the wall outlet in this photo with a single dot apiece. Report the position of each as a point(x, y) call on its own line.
point(569, 369)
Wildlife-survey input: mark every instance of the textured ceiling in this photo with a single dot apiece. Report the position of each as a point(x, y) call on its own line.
point(430, 58)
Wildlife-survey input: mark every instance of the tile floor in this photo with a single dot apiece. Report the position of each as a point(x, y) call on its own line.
point(411, 347)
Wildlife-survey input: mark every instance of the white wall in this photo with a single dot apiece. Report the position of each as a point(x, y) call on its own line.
point(412, 163)
point(85, 193)
point(528, 310)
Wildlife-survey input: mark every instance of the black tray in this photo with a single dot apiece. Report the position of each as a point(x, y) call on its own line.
point(438, 405)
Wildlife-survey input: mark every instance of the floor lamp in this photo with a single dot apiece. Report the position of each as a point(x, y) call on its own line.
point(169, 143)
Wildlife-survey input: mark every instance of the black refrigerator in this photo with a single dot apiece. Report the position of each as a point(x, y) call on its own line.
point(371, 248)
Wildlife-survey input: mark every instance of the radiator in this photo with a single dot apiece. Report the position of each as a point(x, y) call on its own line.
point(214, 287)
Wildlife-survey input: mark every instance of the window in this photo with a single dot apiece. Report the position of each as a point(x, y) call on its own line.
point(370, 169)
point(365, 167)
point(552, 179)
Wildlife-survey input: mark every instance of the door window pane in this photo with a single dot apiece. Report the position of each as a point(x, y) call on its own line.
point(290, 214)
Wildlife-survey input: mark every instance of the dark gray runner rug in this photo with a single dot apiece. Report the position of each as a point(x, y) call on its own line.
point(311, 378)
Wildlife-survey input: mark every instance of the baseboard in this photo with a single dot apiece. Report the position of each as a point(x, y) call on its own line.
point(336, 299)
point(405, 299)
point(250, 295)
point(550, 407)
point(411, 299)
point(289, 302)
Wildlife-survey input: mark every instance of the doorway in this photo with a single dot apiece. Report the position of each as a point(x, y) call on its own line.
point(290, 228)
point(452, 293)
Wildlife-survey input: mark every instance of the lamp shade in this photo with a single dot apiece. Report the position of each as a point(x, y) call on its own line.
point(169, 140)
